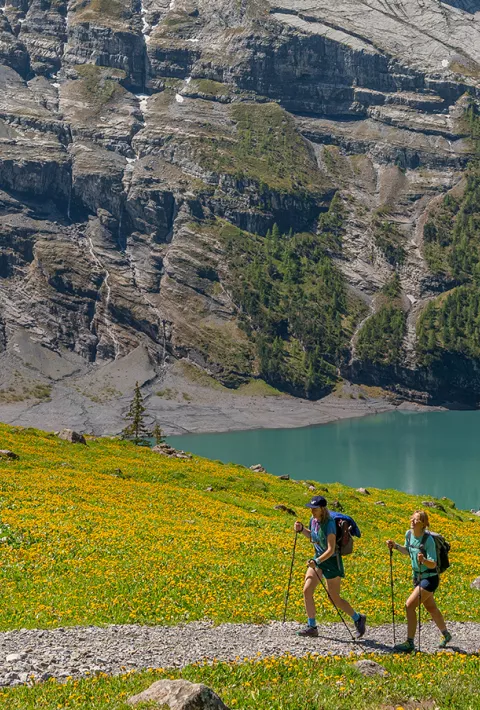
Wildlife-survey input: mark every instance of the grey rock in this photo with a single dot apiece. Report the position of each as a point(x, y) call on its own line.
point(7, 454)
point(285, 509)
point(72, 436)
point(380, 502)
point(370, 668)
point(476, 583)
point(285, 477)
point(363, 491)
point(258, 468)
point(179, 695)
point(15, 657)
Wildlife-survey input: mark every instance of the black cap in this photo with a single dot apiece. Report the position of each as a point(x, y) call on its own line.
point(317, 502)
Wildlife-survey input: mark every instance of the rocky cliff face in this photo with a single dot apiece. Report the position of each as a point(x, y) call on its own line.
point(130, 129)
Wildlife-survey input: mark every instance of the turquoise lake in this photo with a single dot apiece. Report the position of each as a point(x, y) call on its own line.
point(435, 453)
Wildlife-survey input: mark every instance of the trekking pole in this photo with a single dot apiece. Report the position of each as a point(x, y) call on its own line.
point(290, 577)
point(393, 595)
point(419, 609)
point(355, 641)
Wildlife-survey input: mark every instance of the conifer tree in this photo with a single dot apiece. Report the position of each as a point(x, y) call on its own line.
point(137, 429)
point(157, 434)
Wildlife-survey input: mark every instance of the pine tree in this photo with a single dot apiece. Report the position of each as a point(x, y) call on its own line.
point(137, 429)
point(157, 434)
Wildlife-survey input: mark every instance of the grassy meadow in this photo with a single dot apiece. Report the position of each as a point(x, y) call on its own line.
point(113, 533)
point(419, 682)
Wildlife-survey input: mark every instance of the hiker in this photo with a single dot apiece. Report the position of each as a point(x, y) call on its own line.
point(327, 563)
point(420, 547)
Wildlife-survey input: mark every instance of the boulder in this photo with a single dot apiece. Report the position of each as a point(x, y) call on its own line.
point(72, 436)
point(258, 468)
point(370, 668)
point(433, 504)
point(285, 509)
point(179, 695)
point(475, 584)
point(363, 491)
point(311, 488)
point(7, 454)
point(285, 477)
point(167, 450)
point(380, 502)
point(336, 505)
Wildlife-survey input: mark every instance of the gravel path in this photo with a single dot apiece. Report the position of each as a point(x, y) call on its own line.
point(80, 650)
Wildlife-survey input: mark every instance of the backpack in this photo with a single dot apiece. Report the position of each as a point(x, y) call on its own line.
point(346, 529)
point(441, 546)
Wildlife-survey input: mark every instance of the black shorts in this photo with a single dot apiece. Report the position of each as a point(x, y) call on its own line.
point(429, 584)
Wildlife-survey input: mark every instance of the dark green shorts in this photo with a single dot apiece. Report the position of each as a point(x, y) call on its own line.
point(332, 568)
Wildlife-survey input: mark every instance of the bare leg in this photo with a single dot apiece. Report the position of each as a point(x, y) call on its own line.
point(333, 586)
point(411, 609)
point(434, 612)
point(311, 583)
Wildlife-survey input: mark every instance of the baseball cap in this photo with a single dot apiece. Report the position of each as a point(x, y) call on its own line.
point(317, 502)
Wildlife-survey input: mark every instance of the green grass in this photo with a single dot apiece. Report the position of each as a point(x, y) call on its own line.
point(257, 388)
point(99, 85)
point(97, 533)
point(445, 681)
point(266, 148)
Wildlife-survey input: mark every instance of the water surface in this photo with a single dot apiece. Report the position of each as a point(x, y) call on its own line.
point(434, 453)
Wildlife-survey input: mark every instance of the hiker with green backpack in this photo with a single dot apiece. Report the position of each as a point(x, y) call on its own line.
point(324, 533)
point(428, 554)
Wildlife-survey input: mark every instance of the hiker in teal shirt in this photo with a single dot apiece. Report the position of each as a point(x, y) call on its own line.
point(327, 563)
point(423, 558)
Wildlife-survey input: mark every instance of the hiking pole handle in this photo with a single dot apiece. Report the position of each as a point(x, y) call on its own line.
point(290, 577)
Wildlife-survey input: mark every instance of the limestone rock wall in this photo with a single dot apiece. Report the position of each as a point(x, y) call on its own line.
point(116, 126)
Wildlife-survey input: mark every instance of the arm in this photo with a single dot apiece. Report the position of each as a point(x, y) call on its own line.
point(331, 541)
point(395, 546)
point(429, 558)
point(300, 528)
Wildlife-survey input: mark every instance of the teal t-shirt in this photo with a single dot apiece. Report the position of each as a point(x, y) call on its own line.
point(430, 553)
point(320, 532)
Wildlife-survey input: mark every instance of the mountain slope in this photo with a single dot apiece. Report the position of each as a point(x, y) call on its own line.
point(235, 184)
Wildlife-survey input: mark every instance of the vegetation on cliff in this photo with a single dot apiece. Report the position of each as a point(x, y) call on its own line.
point(265, 147)
point(380, 339)
point(450, 323)
point(293, 301)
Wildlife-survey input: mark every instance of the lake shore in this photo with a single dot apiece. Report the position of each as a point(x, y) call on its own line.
point(185, 400)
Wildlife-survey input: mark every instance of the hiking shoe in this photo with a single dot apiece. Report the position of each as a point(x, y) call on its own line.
point(405, 647)
point(311, 631)
point(360, 625)
point(445, 639)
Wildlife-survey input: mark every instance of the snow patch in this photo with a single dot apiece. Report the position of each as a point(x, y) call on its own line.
point(445, 63)
point(179, 99)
